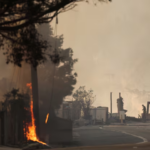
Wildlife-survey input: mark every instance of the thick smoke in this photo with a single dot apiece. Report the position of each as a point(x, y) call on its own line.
point(56, 81)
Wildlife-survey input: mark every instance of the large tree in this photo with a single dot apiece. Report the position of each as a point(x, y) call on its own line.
point(56, 80)
point(86, 99)
point(18, 35)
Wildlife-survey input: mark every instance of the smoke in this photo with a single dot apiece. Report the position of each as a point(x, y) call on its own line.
point(137, 99)
point(5, 76)
point(115, 41)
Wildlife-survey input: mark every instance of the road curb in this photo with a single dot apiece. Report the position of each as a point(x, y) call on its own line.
point(110, 147)
point(144, 139)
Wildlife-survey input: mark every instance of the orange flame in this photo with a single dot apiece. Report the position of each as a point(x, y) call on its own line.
point(46, 118)
point(31, 133)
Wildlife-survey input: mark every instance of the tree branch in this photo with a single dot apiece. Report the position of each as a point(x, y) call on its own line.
point(33, 19)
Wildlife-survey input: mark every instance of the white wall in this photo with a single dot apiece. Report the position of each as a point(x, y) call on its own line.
point(99, 113)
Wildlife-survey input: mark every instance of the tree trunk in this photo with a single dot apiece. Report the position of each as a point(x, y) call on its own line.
point(35, 99)
point(16, 130)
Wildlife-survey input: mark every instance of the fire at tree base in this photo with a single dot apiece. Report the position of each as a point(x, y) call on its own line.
point(18, 124)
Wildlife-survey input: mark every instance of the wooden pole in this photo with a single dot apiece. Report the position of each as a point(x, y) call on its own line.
point(111, 105)
point(34, 80)
point(5, 127)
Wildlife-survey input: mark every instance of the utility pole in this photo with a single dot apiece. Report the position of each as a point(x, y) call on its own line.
point(110, 104)
point(148, 103)
point(34, 80)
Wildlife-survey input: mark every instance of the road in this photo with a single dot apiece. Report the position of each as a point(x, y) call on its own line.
point(110, 135)
point(138, 131)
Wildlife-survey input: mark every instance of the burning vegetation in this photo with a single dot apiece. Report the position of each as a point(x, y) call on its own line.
point(46, 118)
point(30, 129)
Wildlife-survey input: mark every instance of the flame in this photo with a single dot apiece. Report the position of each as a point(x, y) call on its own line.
point(31, 128)
point(46, 118)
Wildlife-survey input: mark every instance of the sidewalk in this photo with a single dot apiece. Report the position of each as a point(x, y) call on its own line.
point(145, 146)
point(8, 148)
point(138, 124)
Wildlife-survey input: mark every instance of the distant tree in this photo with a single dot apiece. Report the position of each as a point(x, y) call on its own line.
point(86, 99)
point(18, 35)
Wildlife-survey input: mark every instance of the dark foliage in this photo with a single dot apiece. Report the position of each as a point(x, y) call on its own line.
point(25, 46)
point(18, 104)
point(18, 113)
point(18, 35)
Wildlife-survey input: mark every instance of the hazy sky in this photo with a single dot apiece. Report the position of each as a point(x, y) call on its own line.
point(112, 42)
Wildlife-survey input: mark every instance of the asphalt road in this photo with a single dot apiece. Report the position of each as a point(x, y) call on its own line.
point(139, 131)
point(110, 135)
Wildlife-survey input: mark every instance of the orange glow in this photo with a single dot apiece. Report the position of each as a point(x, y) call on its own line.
point(29, 85)
point(31, 128)
point(46, 118)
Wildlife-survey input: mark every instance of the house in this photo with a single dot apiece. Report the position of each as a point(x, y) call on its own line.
point(99, 114)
